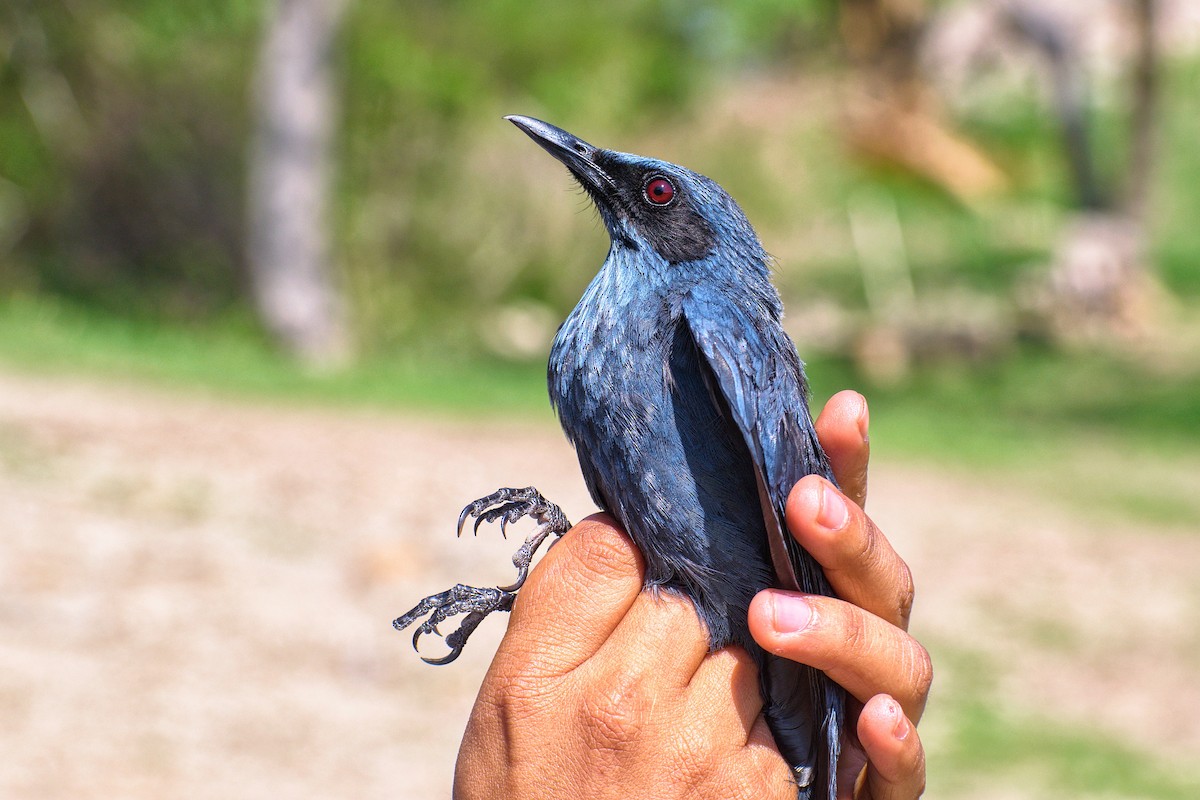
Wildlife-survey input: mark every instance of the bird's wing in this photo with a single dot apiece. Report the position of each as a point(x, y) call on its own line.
point(759, 379)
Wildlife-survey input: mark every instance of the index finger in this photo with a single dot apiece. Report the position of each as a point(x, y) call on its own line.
point(842, 430)
point(575, 597)
point(857, 558)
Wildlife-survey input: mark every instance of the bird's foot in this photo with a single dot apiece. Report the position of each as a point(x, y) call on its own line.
point(475, 602)
point(506, 505)
point(510, 505)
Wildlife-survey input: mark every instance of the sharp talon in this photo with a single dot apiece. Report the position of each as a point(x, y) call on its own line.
point(518, 583)
point(462, 518)
point(446, 659)
point(522, 574)
point(417, 634)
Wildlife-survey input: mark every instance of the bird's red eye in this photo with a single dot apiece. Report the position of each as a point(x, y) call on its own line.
point(659, 191)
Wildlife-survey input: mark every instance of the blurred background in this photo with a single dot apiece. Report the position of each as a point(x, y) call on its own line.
point(277, 286)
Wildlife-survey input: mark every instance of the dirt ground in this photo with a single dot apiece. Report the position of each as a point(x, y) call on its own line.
point(196, 595)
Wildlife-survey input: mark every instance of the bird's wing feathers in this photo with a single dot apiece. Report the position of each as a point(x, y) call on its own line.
point(760, 379)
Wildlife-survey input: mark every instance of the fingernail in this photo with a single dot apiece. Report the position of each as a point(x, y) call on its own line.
point(789, 613)
point(864, 420)
point(900, 728)
point(832, 514)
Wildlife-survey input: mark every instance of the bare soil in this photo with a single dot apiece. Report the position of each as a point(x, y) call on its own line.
point(196, 594)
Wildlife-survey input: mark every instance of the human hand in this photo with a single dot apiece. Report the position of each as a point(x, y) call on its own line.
point(602, 690)
point(588, 697)
point(860, 639)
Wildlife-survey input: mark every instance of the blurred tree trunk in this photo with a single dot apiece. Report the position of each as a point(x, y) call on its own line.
point(1038, 27)
point(291, 163)
point(892, 115)
point(1144, 106)
point(1100, 284)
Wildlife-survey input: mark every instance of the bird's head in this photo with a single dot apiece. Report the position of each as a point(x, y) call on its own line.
point(652, 206)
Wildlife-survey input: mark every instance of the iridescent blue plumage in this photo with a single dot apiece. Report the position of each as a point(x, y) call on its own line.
point(687, 405)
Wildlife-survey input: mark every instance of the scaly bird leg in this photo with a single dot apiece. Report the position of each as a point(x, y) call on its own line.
point(506, 505)
point(510, 505)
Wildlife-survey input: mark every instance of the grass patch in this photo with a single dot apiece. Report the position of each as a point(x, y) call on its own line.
point(1027, 408)
point(987, 747)
point(43, 336)
point(1102, 436)
point(1007, 413)
point(1100, 432)
point(976, 743)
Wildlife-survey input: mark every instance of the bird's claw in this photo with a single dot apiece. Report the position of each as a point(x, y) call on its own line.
point(506, 505)
point(475, 602)
point(510, 505)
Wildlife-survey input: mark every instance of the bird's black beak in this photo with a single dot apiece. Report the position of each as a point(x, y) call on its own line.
point(576, 155)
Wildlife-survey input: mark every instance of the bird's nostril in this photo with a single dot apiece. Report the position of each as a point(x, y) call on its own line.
point(581, 148)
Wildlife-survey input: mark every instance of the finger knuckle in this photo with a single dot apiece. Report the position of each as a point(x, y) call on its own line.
point(921, 672)
point(691, 757)
point(605, 551)
point(863, 551)
point(520, 695)
point(521, 687)
point(854, 634)
point(613, 716)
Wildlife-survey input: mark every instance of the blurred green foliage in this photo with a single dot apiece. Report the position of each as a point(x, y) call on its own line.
point(123, 131)
point(982, 744)
point(1177, 196)
point(123, 128)
point(436, 217)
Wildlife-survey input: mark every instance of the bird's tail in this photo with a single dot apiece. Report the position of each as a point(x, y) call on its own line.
point(805, 711)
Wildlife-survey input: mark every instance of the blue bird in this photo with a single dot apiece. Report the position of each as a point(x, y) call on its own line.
point(687, 406)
